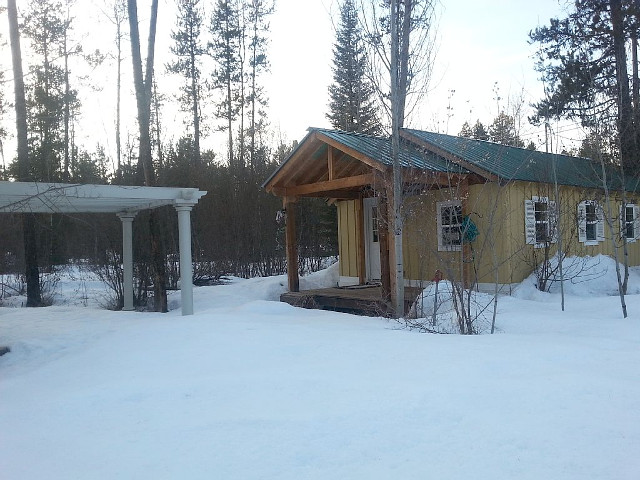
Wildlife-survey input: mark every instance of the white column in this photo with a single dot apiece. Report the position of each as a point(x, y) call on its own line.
point(127, 258)
point(186, 269)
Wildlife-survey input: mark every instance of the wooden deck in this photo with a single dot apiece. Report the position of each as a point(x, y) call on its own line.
point(361, 299)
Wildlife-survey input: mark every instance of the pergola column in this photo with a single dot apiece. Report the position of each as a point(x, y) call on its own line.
point(186, 267)
point(127, 258)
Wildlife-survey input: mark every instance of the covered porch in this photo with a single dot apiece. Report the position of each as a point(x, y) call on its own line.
point(355, 170)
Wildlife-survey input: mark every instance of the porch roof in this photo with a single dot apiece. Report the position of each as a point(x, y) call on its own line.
point(337, 162)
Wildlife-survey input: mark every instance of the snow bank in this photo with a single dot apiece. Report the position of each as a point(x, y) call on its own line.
point(584, 277)
point(251, 388)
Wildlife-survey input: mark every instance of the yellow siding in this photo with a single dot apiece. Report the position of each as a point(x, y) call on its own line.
point(420, 242)
point(498, 212)
point(347, 240)
point(524, 256)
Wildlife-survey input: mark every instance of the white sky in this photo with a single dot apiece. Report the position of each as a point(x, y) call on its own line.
point(480, 43)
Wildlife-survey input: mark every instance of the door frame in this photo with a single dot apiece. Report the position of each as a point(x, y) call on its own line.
point(373, 269)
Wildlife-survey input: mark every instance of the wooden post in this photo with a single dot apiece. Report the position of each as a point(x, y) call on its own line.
point(292, 244)
point(360, 236)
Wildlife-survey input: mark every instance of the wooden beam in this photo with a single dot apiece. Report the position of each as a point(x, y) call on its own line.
point(330, 185)
point(292, 244)
point(354, 153)
point(330, 162)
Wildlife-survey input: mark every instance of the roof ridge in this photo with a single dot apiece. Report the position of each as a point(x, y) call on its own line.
point(337, 130)
point(501, 145)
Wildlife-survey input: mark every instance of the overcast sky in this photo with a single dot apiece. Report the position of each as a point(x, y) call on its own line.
point(479, 43)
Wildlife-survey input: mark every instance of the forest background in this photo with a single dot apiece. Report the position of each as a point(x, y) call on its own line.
point(72, 52)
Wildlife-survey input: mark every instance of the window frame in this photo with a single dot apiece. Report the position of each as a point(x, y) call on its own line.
point(584, 222)
point(442, 245)
point(532, 223)
point(634, 223)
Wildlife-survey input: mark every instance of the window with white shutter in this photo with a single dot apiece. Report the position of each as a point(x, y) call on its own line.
point(540, 221)
point(590, 222)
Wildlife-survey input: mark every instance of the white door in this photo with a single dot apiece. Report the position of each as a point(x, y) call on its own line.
point(372, 240)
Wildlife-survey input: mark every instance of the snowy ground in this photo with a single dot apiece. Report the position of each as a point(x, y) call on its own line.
point(250, 388)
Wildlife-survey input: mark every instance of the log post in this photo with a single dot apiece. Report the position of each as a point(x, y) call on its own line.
point(292, 244)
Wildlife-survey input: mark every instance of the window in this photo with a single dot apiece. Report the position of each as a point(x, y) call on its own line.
point(590, 223)
point(449, 225)
point(630, 222)
point(374, 224)
point(540, 221)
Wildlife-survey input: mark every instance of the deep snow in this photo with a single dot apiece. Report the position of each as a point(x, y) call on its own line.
point(250, 388)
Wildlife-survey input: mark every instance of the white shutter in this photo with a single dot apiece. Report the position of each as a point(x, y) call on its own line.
point(582, 222)
point(600, 224)
point(530, 222)
point(553, 217)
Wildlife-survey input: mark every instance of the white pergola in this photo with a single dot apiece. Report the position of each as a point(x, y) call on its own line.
point(124, 201)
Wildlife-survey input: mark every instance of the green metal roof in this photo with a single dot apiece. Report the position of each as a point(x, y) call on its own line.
point(505, 162)
point(379, 149)
point(513, 163)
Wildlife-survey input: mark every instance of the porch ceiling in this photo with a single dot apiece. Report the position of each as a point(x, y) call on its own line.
point(319, 169)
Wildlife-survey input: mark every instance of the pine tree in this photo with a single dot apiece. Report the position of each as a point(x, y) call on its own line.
point(188, 49)
point(48, 95)
point(352, 106)
point(479, 131)
point(466, 130)
point(258, 12)
point(584, 62)
point(224, 47)
point(503, 131)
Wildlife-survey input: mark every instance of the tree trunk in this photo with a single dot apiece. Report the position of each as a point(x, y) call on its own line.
point(626, 130)
point(145, 162)
point(34, 298)
point(397, 70)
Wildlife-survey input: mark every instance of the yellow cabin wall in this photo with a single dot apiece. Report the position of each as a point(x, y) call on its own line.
point(420, 242)
point(498, 212)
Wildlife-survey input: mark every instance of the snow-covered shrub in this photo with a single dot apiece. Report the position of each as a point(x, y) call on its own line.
point(446, 307)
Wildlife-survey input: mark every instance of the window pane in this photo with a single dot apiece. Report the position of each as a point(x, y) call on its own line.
point(541, 211)
point(591, 231)
point(451, 221)
point(628, 214)
point(374, 220)
point(542, 222)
